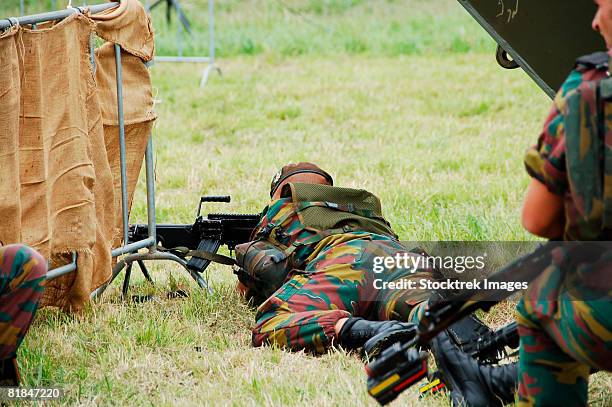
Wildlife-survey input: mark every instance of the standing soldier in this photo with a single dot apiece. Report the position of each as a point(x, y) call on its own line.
point(565, 318)
point(22, 272)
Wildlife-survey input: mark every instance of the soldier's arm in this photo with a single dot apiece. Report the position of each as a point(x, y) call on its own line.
point(543, 211)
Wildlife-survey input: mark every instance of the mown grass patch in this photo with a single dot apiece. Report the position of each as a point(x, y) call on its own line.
point(402, 98)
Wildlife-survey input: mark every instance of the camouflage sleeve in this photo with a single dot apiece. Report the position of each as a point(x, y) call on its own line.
point(546, 160)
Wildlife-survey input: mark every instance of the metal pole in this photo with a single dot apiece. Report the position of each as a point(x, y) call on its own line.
point(54, 15)
point(179, 38)
point(92, 52)
point(211, 44)
point(60, 271)
point(21, 7)
point(149, 256)
point(151, 193)
point(211, 31)
point(126, 280)
point(133, 247)
point(122, 158)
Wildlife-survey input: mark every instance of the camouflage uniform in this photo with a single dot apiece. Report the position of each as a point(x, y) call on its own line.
point(566, 332)
point(335, 282)
point(22, 272)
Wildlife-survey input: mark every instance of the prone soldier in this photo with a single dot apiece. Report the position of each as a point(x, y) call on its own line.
point(310, 266)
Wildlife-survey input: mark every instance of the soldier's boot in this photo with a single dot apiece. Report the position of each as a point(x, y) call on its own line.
point(472, 384)
point(357, 331)
point(464, 333)
point(9, 373)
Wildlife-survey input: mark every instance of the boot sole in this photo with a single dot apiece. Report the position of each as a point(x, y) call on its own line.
point(387, 339)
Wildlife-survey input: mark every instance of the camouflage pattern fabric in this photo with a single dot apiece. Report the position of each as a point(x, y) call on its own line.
point(22, 272)
point(564, 319)
point(337, 281)
point(567, 158)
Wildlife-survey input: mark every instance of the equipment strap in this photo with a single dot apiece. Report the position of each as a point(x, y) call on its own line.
point(201, 254)
point(605, 89)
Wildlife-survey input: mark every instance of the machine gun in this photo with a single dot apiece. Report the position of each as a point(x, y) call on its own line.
point(402, 365)
point(207, 234)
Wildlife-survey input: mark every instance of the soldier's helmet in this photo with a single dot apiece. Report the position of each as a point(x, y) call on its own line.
point(299, 168)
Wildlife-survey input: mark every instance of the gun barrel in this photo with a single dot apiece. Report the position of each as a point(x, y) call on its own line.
point(215, 198)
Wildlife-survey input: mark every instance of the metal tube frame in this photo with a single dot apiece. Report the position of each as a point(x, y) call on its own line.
point(210, 60)
point(128, 249)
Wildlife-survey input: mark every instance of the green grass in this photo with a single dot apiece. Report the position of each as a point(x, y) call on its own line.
point(329, 27)
point(403, 98)
point(311, 27)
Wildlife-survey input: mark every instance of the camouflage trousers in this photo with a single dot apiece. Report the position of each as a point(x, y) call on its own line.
point(564, 334)
point(337, 282)
point(22, 272)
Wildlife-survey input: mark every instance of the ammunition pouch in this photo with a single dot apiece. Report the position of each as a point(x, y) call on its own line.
point(262, 267)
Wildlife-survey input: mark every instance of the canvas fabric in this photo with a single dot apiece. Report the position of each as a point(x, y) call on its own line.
point(56, 178)
point(59, 144)
point(129, 26)
point(138, 114)
point(10, 90)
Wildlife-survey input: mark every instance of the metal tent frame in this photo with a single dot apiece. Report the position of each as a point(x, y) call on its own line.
point(209, 60)
point(129, 249)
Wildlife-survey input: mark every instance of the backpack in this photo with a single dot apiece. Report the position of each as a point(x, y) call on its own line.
point(264, 263)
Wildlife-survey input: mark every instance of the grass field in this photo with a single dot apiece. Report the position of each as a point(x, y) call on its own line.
point(403, 98)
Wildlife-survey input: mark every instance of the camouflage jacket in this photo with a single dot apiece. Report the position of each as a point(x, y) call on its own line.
point(573, 154)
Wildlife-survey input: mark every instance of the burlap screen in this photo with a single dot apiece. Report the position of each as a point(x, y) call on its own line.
point(59, 172)
point(54, 161)
point(138, 115)
point(129, 26)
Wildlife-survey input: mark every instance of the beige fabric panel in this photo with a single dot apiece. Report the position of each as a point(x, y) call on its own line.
point(129, 26)
point(10, 89)
point(137, 89)
point(59, 144)
point(57, 190)
point(106, 208)
point(54, 142)
point(136, 138)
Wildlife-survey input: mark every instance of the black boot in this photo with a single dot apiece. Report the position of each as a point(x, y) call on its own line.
point(9, 373)
point(378, 334)
point(464, 333)
point(473, 384)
